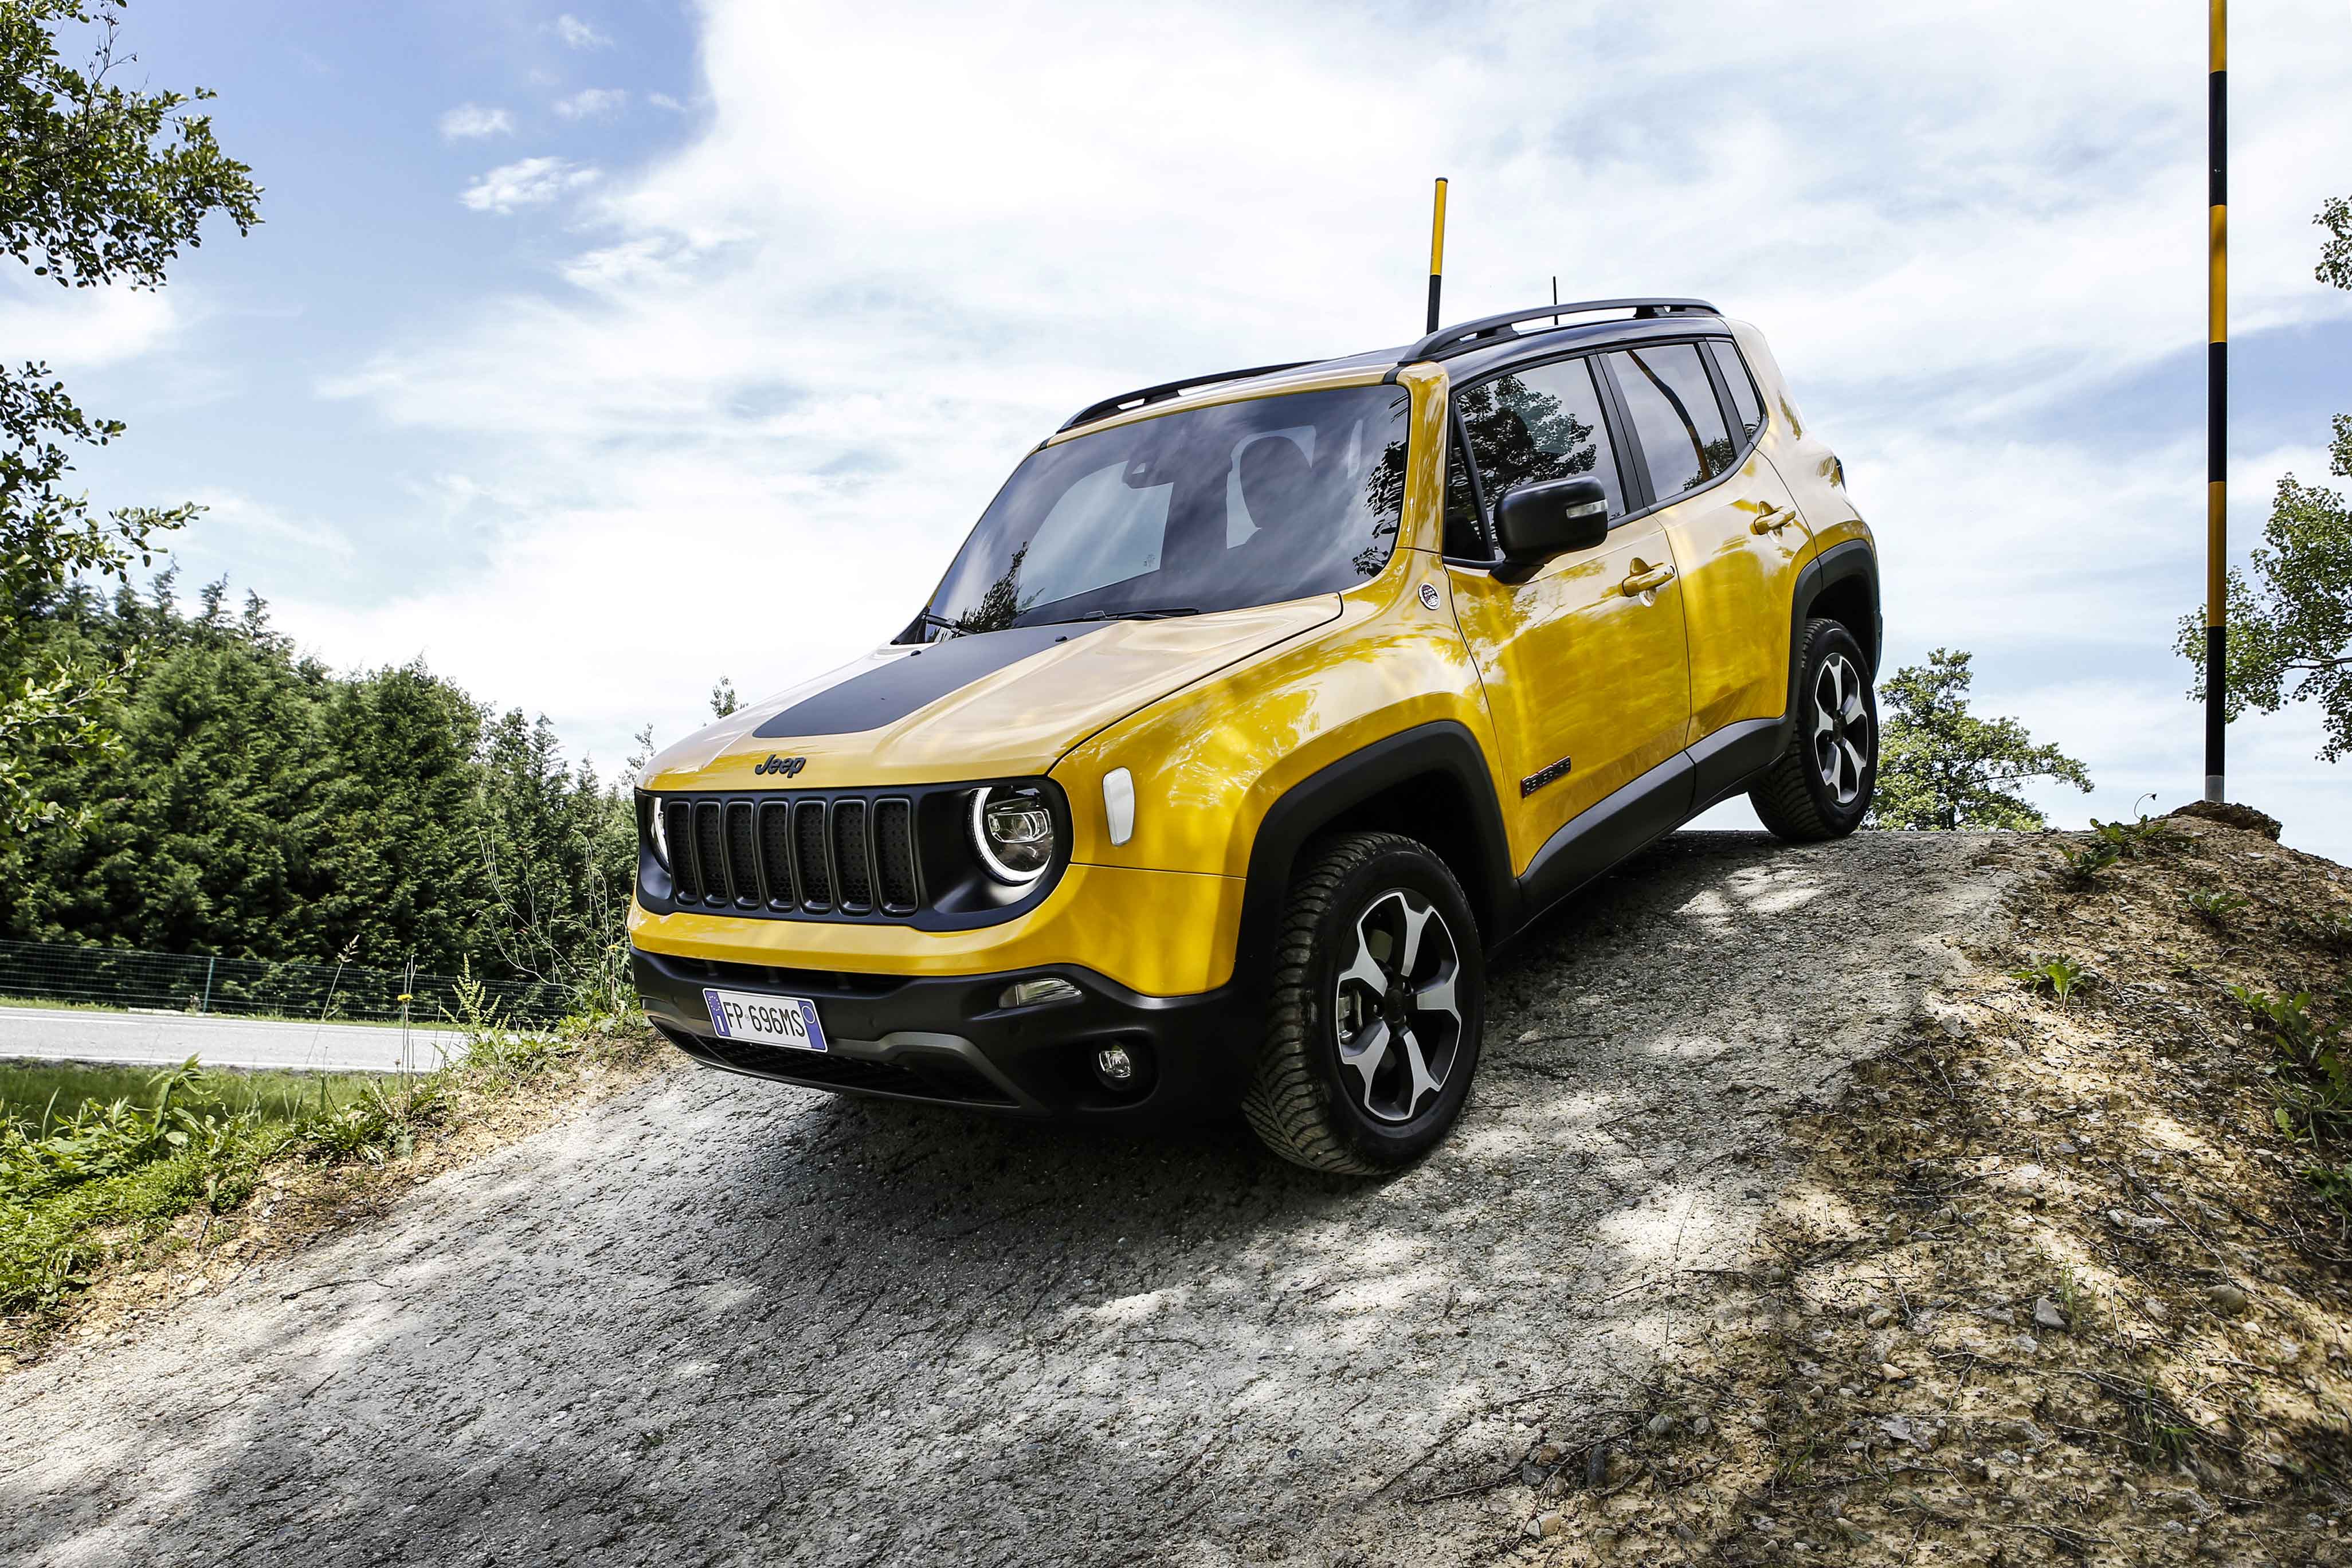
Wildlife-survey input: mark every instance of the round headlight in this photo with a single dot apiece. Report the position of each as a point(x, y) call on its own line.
point(1013, 833)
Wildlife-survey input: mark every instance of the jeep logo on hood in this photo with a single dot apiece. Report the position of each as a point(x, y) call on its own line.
point(787, 766)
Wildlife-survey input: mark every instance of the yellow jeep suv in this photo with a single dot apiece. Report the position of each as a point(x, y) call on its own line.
point(1257, 713)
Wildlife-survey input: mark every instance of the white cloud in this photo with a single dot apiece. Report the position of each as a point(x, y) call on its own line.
point(79, 329)
point(592, 103)
point(580, 34)
point(664, 100)
point(470, 122)
point(534, 182)
point(809, 344)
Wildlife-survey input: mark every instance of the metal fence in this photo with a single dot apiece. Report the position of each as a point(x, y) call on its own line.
point(180, 983)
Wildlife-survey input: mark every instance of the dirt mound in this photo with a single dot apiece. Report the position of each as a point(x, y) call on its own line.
point(2054, 1284)
point(2231, 815)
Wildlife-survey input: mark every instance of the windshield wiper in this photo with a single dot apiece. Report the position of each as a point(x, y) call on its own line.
point(925, 618)
point(1160, 614)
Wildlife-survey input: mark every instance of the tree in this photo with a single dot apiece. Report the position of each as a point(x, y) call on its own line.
point(100, 184)
point(2290, 620)
point(723, 699)
point(1941, 766)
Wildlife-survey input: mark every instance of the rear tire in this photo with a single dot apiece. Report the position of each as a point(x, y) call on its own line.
point(1376, 1013)
point(1821, 787)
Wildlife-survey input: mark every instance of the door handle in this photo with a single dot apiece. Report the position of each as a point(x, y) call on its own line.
point(1645, 579)
point(1772, 520)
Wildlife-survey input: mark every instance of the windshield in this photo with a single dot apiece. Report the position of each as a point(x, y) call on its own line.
point(1212, 508)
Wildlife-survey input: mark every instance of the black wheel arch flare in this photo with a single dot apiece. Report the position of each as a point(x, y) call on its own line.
point(1437, 760)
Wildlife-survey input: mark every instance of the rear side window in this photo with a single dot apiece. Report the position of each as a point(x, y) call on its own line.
point(1464, 538)
point(1672, 405)
point(1540, 424)
point(1744, 404)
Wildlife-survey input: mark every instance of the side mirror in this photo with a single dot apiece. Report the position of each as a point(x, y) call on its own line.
point(1538, 521)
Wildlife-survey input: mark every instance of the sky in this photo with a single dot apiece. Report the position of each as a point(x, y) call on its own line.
point(592, 355)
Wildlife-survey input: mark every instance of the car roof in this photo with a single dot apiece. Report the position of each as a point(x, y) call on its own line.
point(1469, 350)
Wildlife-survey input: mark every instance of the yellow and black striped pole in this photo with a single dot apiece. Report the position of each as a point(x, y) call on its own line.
point(2217, 405)
point(1436, 252)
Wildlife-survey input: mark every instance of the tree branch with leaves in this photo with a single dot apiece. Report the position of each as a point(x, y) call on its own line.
point(2290, 615)
point(100, 184)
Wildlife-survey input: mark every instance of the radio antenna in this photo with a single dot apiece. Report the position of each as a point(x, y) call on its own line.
point(1436, 252)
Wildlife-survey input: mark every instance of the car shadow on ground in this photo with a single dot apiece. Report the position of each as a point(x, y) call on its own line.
point(767, 1324)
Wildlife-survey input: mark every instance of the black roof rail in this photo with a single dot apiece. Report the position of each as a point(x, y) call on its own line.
point(1460, 339)
point(1128, 401)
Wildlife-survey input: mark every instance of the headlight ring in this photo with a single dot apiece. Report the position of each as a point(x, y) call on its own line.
point(1013, 833)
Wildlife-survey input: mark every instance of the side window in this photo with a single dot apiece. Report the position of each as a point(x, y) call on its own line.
point(1744, 400)
point(1466, 538)
point(1672, 404)
point(1540, 424)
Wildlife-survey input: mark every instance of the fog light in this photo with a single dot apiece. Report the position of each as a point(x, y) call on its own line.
point(1029, 993)
point(1115, 1066)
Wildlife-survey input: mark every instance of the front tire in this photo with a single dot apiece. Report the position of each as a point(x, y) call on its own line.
point(1821, 787)
point(1377, 1010)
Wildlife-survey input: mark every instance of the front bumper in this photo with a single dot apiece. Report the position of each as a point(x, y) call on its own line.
point(946, 1039)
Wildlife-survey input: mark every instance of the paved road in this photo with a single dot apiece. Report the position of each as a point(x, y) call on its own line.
point(715, 1321)
point(82, 1035)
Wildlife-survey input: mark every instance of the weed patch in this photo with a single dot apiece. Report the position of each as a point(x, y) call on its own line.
point(90, 1182)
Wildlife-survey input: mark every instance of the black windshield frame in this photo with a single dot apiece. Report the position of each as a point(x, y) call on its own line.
point(1329, 480)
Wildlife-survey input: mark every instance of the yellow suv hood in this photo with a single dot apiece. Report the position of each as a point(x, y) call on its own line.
point(992, 706)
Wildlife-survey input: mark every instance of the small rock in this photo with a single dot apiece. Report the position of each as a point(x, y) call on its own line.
point(1596, 1465)
point(1660, 1425)
point(2155, 1308)
point(1531, 1034)
point(1546, 1453)
point(1550, 1523)
point(2046, 1313)
point(1892, 1372)
point(2226, 1298)
point(1701, 1426)
point(1881, 1318)
point(1530, 1473)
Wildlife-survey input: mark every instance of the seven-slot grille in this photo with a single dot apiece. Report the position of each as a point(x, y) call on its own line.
point(845, 855)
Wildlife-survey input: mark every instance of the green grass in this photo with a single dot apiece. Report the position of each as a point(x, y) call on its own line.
point(98, 1161)
point(43, 1095)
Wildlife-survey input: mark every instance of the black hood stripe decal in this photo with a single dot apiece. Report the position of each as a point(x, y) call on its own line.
point(888, 693)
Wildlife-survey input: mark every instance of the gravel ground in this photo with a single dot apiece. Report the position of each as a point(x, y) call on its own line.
point(714, 1321)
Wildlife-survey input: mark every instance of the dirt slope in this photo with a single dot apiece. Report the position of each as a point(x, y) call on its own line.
point(714, 1321)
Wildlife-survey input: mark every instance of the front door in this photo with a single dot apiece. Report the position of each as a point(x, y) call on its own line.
point(1585, 664)
point(1737, 538)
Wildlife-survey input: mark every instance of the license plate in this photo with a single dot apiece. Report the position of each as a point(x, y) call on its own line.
point(771, 1020)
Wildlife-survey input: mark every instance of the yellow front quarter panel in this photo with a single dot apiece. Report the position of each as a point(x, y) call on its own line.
point(1210, 762)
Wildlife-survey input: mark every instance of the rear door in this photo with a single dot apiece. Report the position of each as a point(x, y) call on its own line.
point(1585, 663)
point(1736, 537)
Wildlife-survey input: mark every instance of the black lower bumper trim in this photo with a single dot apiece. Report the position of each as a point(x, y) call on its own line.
point(948, 1039)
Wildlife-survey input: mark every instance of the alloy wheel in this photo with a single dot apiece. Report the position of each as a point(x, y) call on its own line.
point(1398, 1018)
point(1842, 738)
